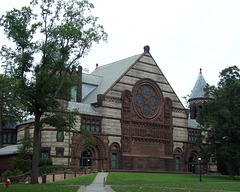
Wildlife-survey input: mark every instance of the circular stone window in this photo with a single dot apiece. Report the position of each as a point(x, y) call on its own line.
point(147, 100)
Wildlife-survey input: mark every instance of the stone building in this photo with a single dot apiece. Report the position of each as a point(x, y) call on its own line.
point(136, 117)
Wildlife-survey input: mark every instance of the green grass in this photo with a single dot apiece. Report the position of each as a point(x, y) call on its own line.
point(151, 182)
point(58, 186)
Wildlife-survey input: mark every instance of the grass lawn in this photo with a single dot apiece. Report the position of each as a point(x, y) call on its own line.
point(153, 182)
point(59, 186)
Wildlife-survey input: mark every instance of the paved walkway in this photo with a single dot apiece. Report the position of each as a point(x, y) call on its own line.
point(97, 185)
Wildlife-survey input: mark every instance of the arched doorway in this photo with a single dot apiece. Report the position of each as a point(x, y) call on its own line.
point(192, 164)
point(86, 159)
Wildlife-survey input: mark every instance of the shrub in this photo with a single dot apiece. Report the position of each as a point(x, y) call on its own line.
point(7, 173)
point(45, 162)
point(17, 172)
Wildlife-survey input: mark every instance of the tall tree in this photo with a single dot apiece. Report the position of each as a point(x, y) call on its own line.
point(49, 44)
point(220, 120)
point(11, 109)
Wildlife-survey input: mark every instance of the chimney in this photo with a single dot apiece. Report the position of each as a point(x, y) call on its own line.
point(146, 49)
point(200, 71)
point(79, 86)
point(96, 66)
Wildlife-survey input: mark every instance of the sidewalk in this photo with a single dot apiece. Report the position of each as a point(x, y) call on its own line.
point(97, 185)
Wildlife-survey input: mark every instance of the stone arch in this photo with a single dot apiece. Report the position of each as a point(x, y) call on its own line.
point(191, 159)
point(178, 159)
point(114, 155)
point(99, 152)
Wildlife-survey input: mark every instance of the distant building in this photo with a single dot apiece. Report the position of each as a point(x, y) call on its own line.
point(136, 117)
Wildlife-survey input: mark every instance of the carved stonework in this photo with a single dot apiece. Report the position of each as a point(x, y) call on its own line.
point(126, 104)
point(146, 122)
point(112, 99)
point(126, 144)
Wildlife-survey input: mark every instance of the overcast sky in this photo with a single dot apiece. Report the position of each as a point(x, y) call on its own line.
point(183, 35)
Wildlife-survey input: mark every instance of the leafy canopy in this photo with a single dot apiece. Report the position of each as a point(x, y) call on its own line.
point(50, 37)
point(220, 119)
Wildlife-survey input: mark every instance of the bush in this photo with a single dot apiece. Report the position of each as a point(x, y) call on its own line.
point(7, 174)
point(45, 162)
point(46, 169)
point(17, 172)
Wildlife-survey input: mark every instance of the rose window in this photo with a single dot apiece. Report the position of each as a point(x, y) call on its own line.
point(146, 101)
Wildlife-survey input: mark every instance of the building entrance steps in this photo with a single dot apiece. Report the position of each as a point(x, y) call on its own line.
point(97, 185)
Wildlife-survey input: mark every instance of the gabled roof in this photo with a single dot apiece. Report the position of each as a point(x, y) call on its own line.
point(198, 89)
point(83, 108)
point(109, 74)
point(91, 79)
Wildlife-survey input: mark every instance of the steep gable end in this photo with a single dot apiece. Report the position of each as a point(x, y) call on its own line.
point(110, 74)
point(144, 67)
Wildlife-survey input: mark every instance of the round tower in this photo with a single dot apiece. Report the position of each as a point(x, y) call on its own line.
point(197, 96)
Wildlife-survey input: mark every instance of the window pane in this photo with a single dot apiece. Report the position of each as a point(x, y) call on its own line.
point(88, 121)
point(93, 128)
point(146, 90)
point(59, 136)
point(97, 122)
point(153, 102)
point(14, 138)
point(4, 138)
point(93, 121)
point(177, 163)
point(97, 128)
point(139, 99)
point(44, 155)
point(88, 127)
point(9, 138)
point(114, 160)
point(74, 93)
point(84, 126)
point(59, 153)
point(146, 110)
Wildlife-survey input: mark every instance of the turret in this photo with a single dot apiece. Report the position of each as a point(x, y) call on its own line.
point(197, 96)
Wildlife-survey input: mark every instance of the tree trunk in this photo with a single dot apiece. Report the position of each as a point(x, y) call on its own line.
point(36, 149)
point(232, 172)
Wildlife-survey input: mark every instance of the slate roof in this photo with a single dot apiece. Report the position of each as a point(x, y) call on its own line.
point(192, 123)
point(91, 79)
point(109, 75)
point(83, 108)
point(89, 83)
point(9, 150)
point(198, 89)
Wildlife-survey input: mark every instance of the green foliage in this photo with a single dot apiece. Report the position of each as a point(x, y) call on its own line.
point(67, 31)
point(89, 140)
point(45, 162)
point(7, 173)
point(22, 160)
point(45, 169)
point(220, 120)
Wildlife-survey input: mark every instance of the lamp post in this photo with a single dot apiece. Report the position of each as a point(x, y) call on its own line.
point(199, 159)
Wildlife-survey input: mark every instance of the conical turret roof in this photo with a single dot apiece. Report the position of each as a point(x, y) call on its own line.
point(198, 89)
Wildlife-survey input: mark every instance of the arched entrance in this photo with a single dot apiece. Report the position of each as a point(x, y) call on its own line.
point(95, 157)
point(192, 164)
